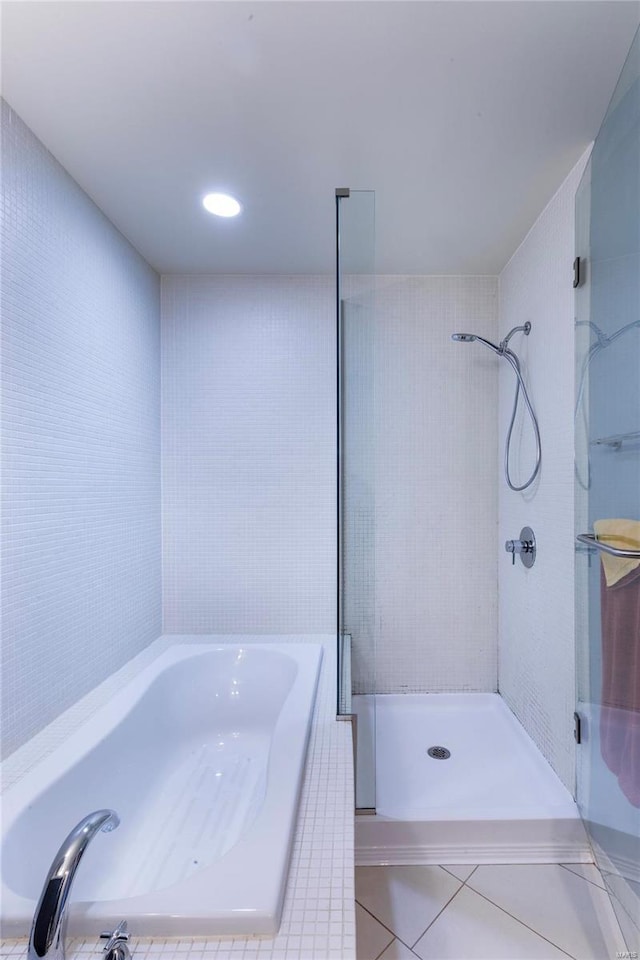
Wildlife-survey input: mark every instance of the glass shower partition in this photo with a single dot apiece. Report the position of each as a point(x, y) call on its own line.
point(355, 327)
point(607, 484)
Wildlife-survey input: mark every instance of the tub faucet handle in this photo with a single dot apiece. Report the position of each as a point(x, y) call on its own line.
point(116, 946)
point(120, 933)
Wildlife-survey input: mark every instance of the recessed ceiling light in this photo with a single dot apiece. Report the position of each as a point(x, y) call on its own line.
point(221, 204)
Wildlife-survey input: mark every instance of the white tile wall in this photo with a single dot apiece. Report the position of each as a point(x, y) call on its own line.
point(536, 606)
point(249, 494)
point(81, 441)
point(433, 472)
point(249, 461)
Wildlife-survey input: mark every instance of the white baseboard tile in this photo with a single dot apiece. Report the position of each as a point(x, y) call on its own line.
point(380, 841)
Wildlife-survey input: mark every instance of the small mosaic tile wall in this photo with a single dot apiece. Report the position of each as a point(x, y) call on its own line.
point(318, 920)
point(80, 344)
point(536, 632)
point(420, 468)
point(248, 454)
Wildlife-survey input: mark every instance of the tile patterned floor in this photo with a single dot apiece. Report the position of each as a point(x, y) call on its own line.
point(514, 912)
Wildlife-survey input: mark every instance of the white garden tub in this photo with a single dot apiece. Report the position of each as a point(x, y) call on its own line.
point(201, 756)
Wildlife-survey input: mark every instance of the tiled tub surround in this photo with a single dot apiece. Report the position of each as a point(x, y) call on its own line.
point(318, 914)
point(248, 454)
point(81, 550)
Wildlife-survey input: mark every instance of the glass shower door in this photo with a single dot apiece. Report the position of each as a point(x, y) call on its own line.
point(607, 483)
point(356, 455)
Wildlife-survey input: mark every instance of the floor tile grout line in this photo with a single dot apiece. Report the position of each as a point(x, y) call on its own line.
point(388, 929)
point(384, 948)
point(614, 896)
point(464, 883)
point(393, 935)
point(521, 922)
point(396, 937)
point(404, 944)
point(400, 940)
point(451, 874)
point(580, 877)
point(439, 912)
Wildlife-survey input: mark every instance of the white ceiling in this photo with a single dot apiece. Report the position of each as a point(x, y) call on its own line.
point(464, 117)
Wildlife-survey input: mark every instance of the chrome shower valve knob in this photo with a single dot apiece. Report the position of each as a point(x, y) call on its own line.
point(510, 547)
point(525, 546)
point(517, 546)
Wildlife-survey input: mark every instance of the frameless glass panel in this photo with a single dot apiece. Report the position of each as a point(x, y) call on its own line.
point(356, 299)
point(607, 482)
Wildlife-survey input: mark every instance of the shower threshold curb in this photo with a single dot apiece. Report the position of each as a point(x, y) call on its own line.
point(380, 841)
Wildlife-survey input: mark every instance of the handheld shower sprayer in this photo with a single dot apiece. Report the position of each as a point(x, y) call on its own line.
point(503, 350)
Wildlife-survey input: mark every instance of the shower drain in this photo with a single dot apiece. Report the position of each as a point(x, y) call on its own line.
point(439, 753)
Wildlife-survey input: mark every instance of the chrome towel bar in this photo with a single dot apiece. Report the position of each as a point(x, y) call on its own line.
point(617, 440)
point(591, 541)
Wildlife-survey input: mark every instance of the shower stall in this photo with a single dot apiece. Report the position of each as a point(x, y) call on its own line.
point(438, 751)
point(445, 772)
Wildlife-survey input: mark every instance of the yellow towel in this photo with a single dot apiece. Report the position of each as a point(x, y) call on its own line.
point(624, 534)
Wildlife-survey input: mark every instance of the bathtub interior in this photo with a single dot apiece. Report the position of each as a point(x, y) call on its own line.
point(186, 769)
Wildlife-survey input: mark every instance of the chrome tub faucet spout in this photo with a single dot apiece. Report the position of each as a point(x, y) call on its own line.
point(50, 919)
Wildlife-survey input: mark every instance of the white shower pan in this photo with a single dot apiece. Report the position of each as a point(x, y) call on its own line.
point(494, 799)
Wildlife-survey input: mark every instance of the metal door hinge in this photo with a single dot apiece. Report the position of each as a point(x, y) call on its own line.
point(577, 728)
point(577, 278)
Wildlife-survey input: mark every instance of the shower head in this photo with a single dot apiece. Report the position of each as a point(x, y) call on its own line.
point(502, 349)
point(470, 337)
